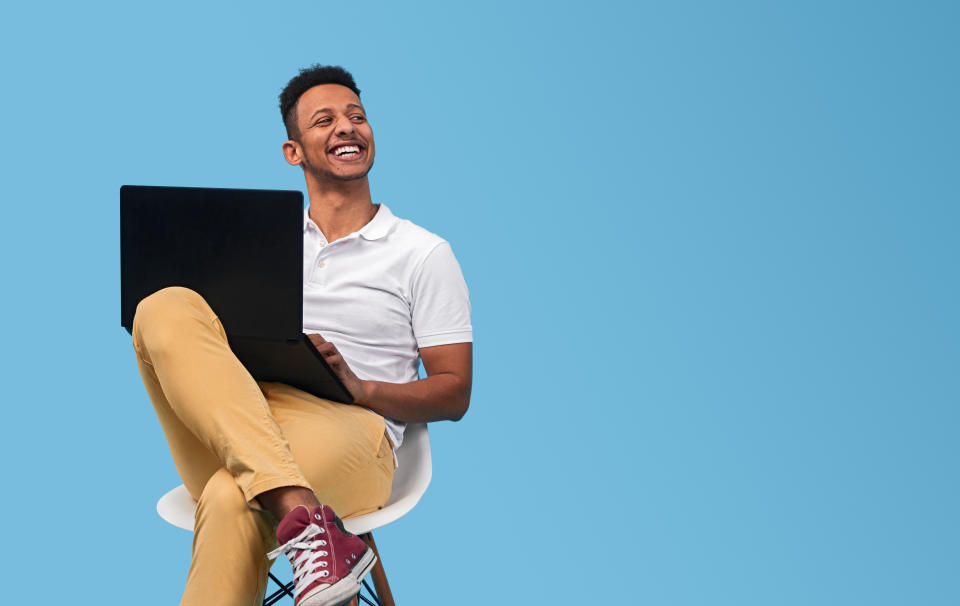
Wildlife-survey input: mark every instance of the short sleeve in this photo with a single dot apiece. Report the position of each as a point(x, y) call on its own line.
point(440, 302)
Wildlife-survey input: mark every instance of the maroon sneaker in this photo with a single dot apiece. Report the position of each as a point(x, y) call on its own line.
point(328, 562)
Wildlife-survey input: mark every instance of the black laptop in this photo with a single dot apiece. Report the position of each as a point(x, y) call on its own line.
point(242, 250)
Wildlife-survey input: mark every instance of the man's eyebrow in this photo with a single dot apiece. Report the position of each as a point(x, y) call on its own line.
point(330, 111)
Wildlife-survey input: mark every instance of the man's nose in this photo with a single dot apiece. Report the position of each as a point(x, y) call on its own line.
point(345, 127)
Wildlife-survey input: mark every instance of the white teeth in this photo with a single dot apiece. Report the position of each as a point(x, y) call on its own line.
point(347, 149)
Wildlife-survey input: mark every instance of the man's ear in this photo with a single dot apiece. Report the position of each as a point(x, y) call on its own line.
point(292, 152)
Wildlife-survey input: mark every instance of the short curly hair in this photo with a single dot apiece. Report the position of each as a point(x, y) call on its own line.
point(309, 77)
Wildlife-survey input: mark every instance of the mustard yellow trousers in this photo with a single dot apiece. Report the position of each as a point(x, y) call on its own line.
point(233, 438)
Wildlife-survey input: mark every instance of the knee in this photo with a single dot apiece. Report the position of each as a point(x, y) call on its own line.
point(222, 510)
point(222, 495)
point(162, 312)
point(165, 302)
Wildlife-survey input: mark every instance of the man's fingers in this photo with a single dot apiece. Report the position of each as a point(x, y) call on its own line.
point(324, 347)
point(333, 361)
point(328, 350)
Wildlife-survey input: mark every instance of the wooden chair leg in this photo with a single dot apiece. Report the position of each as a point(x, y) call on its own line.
point(378, 575)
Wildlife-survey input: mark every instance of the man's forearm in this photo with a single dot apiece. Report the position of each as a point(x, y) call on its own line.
point(443, 395)
point(438, 397)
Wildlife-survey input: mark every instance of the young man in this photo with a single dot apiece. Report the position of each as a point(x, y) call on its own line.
point(380, 296)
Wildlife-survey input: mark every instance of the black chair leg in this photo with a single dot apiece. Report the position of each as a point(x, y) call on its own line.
point(276, 596)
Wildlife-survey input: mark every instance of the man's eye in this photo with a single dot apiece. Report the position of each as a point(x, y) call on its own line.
point(358, 118)
point(323, 121)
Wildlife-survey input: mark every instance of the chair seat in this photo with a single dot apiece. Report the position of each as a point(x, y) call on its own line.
point(409, 483)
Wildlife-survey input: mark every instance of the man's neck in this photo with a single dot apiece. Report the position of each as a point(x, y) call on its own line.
point(340, 208)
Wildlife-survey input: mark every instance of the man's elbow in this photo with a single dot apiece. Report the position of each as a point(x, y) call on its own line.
point(460, 406)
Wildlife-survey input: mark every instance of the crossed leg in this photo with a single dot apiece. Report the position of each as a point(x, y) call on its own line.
point(236, 443)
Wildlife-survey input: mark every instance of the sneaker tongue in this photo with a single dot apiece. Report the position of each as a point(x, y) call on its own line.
point(293, 524)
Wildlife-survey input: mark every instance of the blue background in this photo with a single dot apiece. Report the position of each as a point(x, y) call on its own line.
point(712, 252)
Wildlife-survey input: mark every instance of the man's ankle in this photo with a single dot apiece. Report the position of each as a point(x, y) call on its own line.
point(283, 500)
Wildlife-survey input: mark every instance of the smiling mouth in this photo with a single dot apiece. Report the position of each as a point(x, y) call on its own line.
point(346, 153)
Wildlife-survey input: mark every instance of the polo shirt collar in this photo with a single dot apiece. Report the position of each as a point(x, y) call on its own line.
point(380, 225)
point(377, 228)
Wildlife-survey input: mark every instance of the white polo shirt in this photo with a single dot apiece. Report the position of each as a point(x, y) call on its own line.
point(380, 294)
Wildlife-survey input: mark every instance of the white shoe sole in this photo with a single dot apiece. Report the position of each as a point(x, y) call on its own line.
point(341, 592)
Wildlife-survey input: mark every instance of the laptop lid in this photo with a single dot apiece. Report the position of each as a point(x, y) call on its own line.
point(241, 249)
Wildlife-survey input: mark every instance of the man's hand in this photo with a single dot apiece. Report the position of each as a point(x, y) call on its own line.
point(444, 394)
point(335, 361)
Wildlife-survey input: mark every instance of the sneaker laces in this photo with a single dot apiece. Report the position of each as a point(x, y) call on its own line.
point(308, 562)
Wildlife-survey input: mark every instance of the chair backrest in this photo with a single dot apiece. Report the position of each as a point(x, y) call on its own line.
point(409, 483)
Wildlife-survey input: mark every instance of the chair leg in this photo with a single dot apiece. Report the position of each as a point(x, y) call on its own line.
point(378, 574)
point(276, 596)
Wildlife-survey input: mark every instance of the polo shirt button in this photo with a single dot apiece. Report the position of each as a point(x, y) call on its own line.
point(320, 264)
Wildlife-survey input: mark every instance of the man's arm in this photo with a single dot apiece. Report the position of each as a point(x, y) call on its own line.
point(443, 395)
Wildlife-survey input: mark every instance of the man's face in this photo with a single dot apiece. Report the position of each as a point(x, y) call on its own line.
point(335, 140)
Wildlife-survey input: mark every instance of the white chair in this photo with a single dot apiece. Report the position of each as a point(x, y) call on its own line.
point(409, 483)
